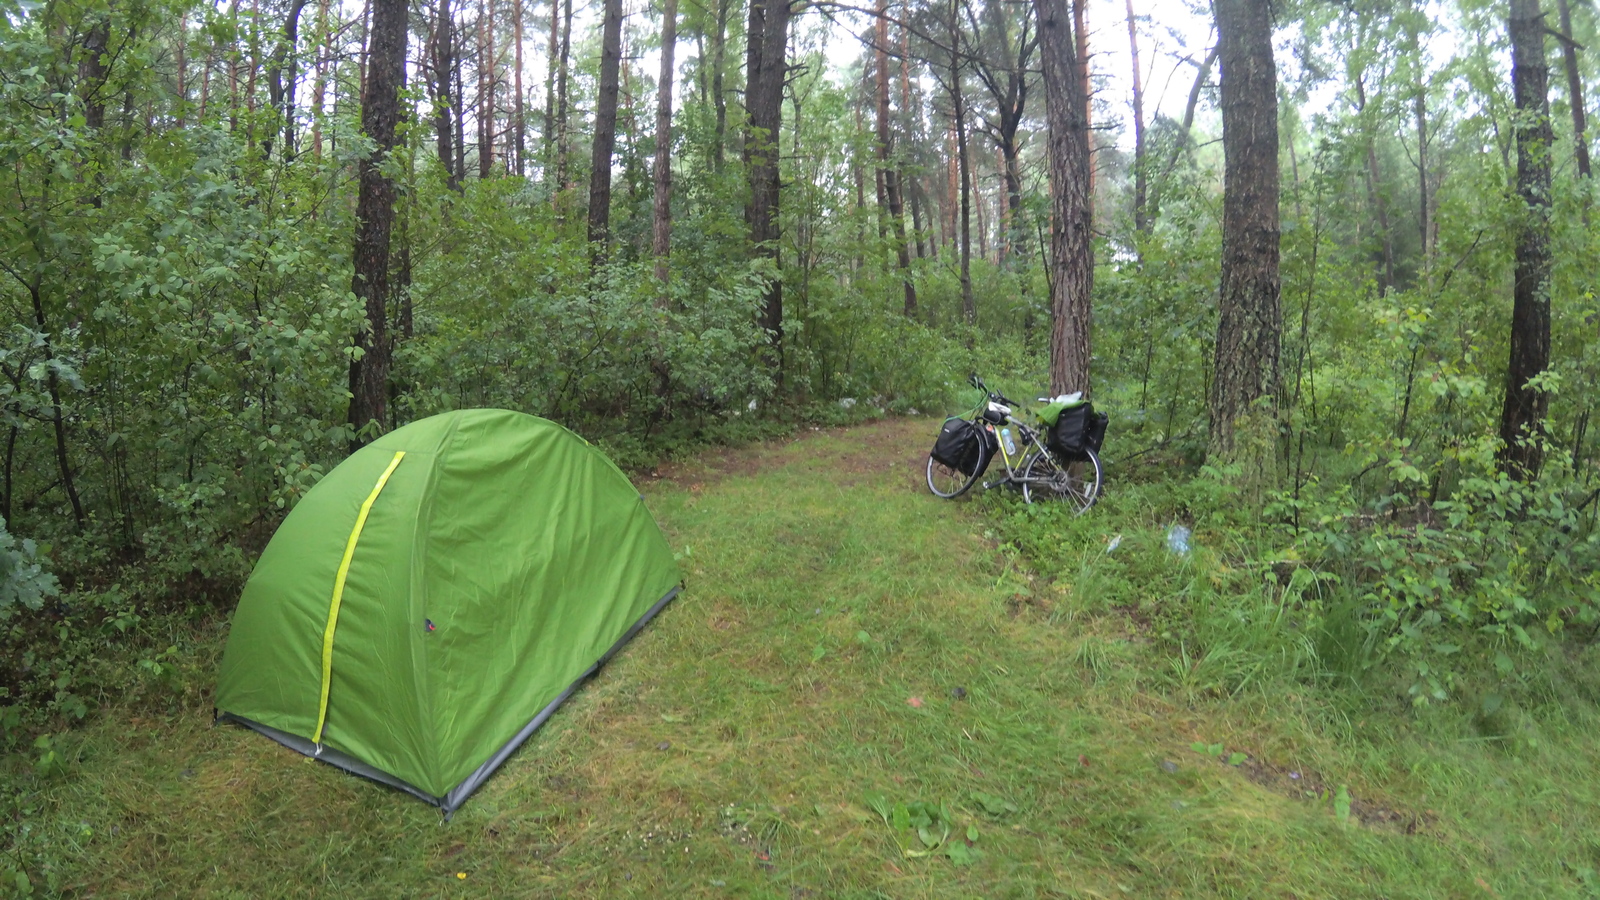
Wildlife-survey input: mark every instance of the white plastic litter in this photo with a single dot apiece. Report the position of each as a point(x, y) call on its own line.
point(1178, 540)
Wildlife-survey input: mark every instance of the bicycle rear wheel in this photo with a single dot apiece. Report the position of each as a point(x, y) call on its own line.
point(1078, 481)
point(947, 482)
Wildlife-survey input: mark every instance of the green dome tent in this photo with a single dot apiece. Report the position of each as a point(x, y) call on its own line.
point(431, 601)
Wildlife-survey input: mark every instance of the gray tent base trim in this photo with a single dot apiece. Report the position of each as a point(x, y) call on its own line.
point(457, 795)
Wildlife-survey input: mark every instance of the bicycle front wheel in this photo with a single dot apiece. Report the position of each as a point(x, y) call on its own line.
point(947, 482)
point(1078, 481)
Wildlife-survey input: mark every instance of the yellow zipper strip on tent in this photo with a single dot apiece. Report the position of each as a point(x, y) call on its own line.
point(338, 593)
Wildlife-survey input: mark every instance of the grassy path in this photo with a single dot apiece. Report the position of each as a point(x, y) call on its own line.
point(842, 632)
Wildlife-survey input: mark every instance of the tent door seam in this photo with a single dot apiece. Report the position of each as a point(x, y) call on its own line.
point(338, 595)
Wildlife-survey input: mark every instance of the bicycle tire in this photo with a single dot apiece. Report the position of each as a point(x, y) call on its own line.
point(1079, 481)
point(949, 483)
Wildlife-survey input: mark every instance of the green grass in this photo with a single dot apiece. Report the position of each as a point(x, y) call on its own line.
point(727, 751)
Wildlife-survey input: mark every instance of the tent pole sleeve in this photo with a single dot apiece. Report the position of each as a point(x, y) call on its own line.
point(338, 593)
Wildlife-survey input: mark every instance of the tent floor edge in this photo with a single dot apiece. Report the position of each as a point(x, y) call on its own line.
point(459, 794)
point(332, 757)
point(451, 801)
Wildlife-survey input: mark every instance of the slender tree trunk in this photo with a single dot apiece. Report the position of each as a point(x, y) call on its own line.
point(380, 113)
point(952, 188)
point(1419, 113)
point(980, 208)
point(916, 217)
point(57, 415)
point(1374, 184)
point(486, 84)
point(719, 96)
point(767, 65)
point(662, 232)
point(1071, 240)
point(444, 104)
point(969, 303)
point(1522, 416)
point(1141, 221)
point(518, 112)
point(1249, 321)
point(1181, 143)
point(1580, 139)
point(886, 168)
point(547, 140)
point(182, 66)
point(281, 89)
point(93, 71)
point(460, 94)
point(319, 88)
point(563, 76)
point(605, 123)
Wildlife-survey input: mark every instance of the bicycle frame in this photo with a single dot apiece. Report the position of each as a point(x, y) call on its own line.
point(1028, 447)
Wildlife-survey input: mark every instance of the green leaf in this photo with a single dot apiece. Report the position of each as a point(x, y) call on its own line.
point(900, 817)
point(878, 803)
point(972, 834)
point(1198, 746)
point(960, 854)
point(818, 652)
point(1235, 758)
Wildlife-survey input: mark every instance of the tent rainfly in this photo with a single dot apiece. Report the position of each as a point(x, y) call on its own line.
point(431, 601)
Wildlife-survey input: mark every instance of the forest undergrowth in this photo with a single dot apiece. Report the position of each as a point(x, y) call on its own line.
point(869, 692)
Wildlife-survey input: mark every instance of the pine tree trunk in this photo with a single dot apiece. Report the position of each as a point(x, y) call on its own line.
point(1080, 32)
point(444, 104)
point(662, 231)
point(1523, 414)
point(719, 97)
point(182, 66)
point(1141, 222)
point(1248, 325)
point(380, 114)
point(1071, 265)
point(486, 84)
point(319, 88)
point(766, 66)
point(886, 168)
point(1569, 56)
point(519, 125)
point(605, 123)
point(547, 140)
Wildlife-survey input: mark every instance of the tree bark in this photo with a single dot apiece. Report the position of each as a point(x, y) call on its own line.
point(444, 105)
point(1071, 240)
point(719, 96)
point(281, 90)
point(605, 123)
point(1523, 413)
point(519, 125)
point(380, 113)
point(886, 168)
point(93, 71)
point(1141, 222)
point(662, 232)
point(1248, 339)
point(766, 67)
point(1569, 56)
point(319, 87)
point(548, 138)
point(1080, 32)
point(487, 77)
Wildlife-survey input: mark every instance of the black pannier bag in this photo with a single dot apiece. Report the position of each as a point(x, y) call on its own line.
point(1078, 429)
point(960, 446)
